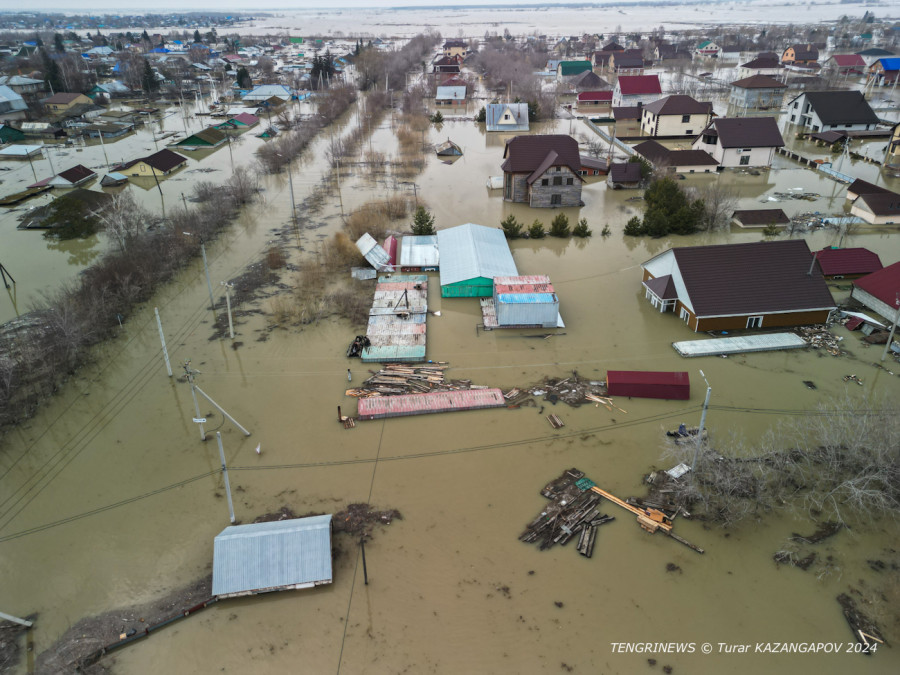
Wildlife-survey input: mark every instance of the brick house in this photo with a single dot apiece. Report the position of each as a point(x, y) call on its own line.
point(800, 55)
point(757, 92)
point(739, 286)
point(542, 171)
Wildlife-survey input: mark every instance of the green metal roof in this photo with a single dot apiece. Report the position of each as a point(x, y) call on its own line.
point(567, 68)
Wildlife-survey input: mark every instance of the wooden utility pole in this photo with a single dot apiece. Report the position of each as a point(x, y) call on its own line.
point(225, 476)
point(162, 338)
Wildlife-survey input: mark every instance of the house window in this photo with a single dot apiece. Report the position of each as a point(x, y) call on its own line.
point(555, 200)
point(506, 117)
point(582, 173)
point(793, 118)
point(570, 181)
point(745, 160)
point(545, 181)
point(689, 132)
point(796, 103)
point(685, 119)
point(557, 180)
point(754, 322)
point(684, 315)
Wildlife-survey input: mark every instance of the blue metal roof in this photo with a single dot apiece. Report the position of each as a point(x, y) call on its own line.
point(526, 298)
point(272, 556)
point(892, 63)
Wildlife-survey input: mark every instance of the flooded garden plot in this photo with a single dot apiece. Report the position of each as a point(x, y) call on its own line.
point(110, 474)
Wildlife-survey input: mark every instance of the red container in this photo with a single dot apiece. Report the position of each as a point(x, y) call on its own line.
point(390, 245)
point(649, 384)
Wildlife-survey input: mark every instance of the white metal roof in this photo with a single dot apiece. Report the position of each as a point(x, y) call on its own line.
point(20, 150)
point(453, 92)
point(267, 91)
point(421, 251)
point(469, 251)
point(375, 254)
point(280, 555)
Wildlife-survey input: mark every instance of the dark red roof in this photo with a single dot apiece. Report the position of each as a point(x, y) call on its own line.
point(527, 154)
point(882, 204)
point(626, 112)
point(762, 63)
point(883, 284)
point(847, 261)
point(663, 287)
point(595, 96)
point(639, 84)
point(845, 60)
point(752, 278)
point(76, 173)
point(862, 187)
point(625, 172)
point(164, 161)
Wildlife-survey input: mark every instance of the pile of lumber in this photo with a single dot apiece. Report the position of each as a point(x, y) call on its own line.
point(819, 337)
point(395, 379)
point(573, 512)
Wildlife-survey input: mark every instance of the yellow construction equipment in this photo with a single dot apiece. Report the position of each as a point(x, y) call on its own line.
point(649, 519)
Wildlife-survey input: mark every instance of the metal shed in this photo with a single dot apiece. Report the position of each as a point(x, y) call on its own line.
point(526, 301)
point(649, 384)
point(276, 556)
point(373, 253)
point(471, 257)
point(419, 254)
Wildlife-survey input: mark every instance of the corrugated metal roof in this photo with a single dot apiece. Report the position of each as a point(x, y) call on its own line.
point(470, 251)
point(371, 251)
point(527, 298)
point(272, 556)
point(447, 93)
point(419, 251)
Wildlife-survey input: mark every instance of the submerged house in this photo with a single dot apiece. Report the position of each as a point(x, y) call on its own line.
point(739, 286)
point(471, 257)
point(757, 92)
point(70, 178)
point(847, 263)
point(832, 110)
point(741, 141)
point(878, 291)
point(207, 139)
point(636, 90)
point(542, 171)
point(676, 115)
point(506, 117)
point(160, 163)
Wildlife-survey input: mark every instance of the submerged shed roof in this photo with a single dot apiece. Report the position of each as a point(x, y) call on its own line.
point(280, 555)
point(471, 251)
point(419, 251)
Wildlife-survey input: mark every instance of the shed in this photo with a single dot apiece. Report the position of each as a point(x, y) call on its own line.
point(419, 253)
point(526, 301)
point(879, 291)
point(847, 263)
point(649, 384)
point(276, 556)
point(471, 257)
point(760, 218)
point(77, 175)
point(375, 254)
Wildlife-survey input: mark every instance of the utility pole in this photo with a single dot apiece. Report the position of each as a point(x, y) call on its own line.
point(162, 338)
point(205, 268)
point(15, 619)
point(893, 327)
point(200, 421)
point(702, 423)
point(228, 288)
point(225, 475)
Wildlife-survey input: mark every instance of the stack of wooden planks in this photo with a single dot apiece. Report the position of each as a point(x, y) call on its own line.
point(395, 379)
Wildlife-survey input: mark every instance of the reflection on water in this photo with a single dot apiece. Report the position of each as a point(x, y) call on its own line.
point(80, 252)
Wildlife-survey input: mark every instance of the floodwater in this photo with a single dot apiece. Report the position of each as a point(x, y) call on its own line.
point(106, 497)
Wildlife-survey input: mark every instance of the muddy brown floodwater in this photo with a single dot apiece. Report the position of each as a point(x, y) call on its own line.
point(109, 499)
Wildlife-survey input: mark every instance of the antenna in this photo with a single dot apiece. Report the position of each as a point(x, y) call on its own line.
point(812, 264)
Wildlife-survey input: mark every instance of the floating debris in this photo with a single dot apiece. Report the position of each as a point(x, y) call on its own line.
point(864, 629)
point(852, 378)
point(555, 422)
point(819, 337)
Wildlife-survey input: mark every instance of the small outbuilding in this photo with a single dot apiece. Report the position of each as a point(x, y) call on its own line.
point(847, 263)
point(522, 302)
point(760, 218)
point(649, 384)
point(70, 178)
point(276, 556)
point(472, 256)
point(419, 253)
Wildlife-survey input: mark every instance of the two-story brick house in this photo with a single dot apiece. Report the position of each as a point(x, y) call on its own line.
point(542, 171)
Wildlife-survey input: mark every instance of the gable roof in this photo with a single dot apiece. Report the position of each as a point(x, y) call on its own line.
point(862, 187)
point(658, 154)
point(847, 261)
point(595, 96)
point(566, 68)
point(763, 62)
point(841, 107)
point(164, 160)
point(882, 203)
point(471, 251)
point(752, 278)
point(845, 60)
point(590, 80)
point(626, 112)
point(679, 104)
point(806, 52)
point(747, 132)
point(627, 61)
point(625, 172)
point(875, 51)
point(494, 112)
point(662, 287)
point(61, 98)
point(528, 154)
point(883, 284)
point(210, 136)
point(639, 84)
point(76, 173)
point(890, 64)
point(759, 82)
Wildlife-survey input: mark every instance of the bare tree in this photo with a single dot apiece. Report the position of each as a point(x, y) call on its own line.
point(124, 220)
point(719, 201)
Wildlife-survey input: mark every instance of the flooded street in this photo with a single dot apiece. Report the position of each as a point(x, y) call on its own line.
point(109, 499)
